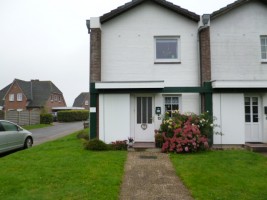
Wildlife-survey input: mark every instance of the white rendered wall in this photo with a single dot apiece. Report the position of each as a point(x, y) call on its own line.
point(128, 47)
point(235, 43)
point(114, 123)
point(229, 112)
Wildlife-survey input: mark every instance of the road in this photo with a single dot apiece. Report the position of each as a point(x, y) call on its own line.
point(53, 132)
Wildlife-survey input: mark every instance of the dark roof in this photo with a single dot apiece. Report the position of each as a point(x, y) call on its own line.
point(78, 102)
point(231, 7)
point(3, 94)
point(41, 91)
point(177, 9)
point(37, 92)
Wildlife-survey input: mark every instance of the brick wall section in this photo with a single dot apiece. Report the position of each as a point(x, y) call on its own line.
point(205, 60)
point(49, 104)
point(95, 55)
point(15, 89)
point(95, 65)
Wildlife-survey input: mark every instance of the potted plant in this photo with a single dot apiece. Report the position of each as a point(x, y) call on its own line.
point(130, 142)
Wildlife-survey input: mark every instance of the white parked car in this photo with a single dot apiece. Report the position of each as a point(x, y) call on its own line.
point(12, 136)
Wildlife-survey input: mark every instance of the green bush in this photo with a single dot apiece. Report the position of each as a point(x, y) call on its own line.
point(72, 115)
point(46, 118)
point(95, 145)
point(83, 134)
point(119, 145)
point(159, 140)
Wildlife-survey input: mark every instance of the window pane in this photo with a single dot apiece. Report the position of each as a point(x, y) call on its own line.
point(175, 100)
point(254, 101)
point(263, 40)
point(255, 118)
point(175, 107)
point(255, 109)
point(9, 127)
point(247, 118)
point(149, 110)
point(166, 49)
point(168, 100)
point(247, 109)
point(144, 109)
point(264, 55)
point(138, 110)
point(247, 100)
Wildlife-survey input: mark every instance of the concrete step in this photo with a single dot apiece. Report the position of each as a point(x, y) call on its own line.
point(144, 146)
point(256, 146)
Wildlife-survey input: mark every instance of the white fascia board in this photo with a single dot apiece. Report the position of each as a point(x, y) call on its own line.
point(239, 84)
point(95, 22)
point(130, 85)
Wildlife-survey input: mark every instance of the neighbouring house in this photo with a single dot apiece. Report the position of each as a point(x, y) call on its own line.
point(82, 100)
point(149, 57)
point(238, 41)
point(31, 95)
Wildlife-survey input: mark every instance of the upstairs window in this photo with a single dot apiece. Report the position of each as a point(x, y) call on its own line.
point(11, 97)
point(19, 97)
point(264, 48)
point(86, 103)
point(167, 49)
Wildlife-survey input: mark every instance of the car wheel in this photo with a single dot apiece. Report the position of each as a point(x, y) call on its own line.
point(28, 143)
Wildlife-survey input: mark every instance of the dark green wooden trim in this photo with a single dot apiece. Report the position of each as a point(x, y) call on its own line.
point(240, 90)
point(93, 116)
point(93, 122)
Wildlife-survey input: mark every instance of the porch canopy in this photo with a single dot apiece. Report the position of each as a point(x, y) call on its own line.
point(249, 84)
point(111, 85)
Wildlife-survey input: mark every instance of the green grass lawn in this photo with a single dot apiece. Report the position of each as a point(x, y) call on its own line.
point(61, 169)
point(229, 174)
point(36, 126)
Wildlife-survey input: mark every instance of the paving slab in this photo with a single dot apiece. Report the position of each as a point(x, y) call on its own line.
point(151, 176)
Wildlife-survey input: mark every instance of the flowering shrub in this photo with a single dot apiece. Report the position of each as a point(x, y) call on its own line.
point(186, 132)
point(119, 145)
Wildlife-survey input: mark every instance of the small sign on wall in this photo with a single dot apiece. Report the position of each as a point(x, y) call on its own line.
point(92, 109)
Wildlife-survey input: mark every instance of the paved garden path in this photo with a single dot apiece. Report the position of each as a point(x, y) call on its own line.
point(150, 175)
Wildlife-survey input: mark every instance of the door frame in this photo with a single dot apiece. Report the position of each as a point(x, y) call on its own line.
point(260, 118)
point(135, 117)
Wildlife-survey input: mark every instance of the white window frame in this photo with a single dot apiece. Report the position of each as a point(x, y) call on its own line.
point(55, 98)
point(19, 96)
point(172, 96)
point(167, 60)
point(11, 97)
point(86, 102)
point(263, 46)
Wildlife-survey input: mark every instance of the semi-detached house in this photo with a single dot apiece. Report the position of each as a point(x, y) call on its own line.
point(150, 56)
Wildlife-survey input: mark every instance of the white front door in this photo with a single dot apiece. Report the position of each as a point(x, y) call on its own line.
point(144, 122)
point(252, 119)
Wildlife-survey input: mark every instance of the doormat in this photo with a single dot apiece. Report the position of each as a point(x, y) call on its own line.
point(148, 157)
point(254, 143)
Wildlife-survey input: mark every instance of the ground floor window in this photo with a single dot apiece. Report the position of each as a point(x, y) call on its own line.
point(171, 103)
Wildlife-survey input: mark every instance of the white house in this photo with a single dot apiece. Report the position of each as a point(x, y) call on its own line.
point(238, 39)
point(144, 62)
point(151, 56)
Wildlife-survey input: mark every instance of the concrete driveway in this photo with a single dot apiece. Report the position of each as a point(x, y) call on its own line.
point(58, 130)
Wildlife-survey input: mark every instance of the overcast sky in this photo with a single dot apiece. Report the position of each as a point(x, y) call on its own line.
point(48, 39)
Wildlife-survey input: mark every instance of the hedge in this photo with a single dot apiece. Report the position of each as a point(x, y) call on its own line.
point(46, 118)
point(72, 115)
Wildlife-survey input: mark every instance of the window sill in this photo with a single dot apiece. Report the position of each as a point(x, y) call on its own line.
point(167, 62)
